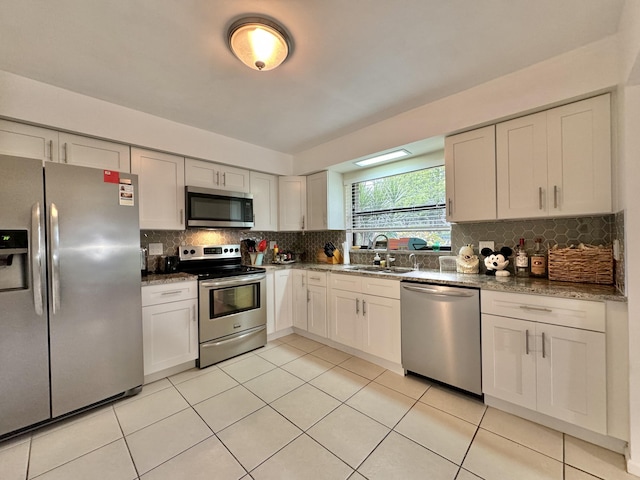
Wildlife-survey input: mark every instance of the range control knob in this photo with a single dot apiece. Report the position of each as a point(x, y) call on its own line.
point(186, 252)
point(226, 250)
point(237, 250)
point(193, 252)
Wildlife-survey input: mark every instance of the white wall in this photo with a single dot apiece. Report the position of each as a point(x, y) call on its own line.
point(36, 102)
point(591, 69)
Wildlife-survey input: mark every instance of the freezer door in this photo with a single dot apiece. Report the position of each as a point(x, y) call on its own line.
point(94, 286)
point(24, 351)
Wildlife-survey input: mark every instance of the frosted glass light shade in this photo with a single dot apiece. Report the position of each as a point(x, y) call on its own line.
point(259, 43)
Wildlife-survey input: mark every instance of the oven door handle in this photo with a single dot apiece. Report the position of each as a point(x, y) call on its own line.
point(235, 281)
point(235, 338)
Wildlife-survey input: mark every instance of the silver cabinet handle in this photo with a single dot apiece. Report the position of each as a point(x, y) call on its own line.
point(65, 152)
point(37, 247)
point(364, 307)
point(224, 179)
point(314, 278)
point(540, 197)
point(536, 309)
point(357, 306)
point(217, 178)
point(172, 292)
point(50, 149)
point(526, 341)
point(54, 253)
point(303, 222)
point(543, 350)
point(449, 205)
point(555, 196)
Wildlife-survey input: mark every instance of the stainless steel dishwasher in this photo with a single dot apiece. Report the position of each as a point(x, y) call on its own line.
point(441, 334)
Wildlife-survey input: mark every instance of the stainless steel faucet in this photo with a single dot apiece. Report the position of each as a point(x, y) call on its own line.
point(415, 262)
point(388, 257)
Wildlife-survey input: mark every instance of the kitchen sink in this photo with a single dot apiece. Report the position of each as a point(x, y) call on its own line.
point(378, 269)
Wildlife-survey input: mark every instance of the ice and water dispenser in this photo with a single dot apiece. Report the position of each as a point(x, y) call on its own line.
point(14, 261)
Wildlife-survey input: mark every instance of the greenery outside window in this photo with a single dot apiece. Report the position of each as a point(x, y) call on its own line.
point(405, 205)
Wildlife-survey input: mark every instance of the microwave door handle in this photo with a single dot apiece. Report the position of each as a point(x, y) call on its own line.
point(236, 281)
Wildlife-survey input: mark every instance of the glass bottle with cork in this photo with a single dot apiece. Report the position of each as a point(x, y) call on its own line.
point(539, 260)
point(522, 260)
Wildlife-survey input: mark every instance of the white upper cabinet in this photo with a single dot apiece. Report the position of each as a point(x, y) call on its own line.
point(199, 173)
point(22, 140)
point(557, 162)
point(325, 201)
point(161, 186)
point(91, 152)
point(264, 188)
point(470, 165)
point(292, 203)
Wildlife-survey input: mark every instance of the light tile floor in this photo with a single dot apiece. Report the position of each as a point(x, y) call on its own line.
point(297, 409)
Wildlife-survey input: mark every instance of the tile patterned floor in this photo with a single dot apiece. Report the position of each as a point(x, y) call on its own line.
point(297, 409)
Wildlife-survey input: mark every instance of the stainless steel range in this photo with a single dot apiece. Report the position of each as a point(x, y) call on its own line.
point(231, 301)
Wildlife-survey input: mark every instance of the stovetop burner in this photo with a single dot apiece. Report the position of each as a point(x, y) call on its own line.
point(213, 261)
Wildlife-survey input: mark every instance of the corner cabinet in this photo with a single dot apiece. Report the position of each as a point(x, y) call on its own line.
point(200, 173)
point(470, 166)
point(546, 354)
point(556, 162)
point(325, 201)
point(161, 189)
point(264, 188)
point(169, 325)
point(292, 203)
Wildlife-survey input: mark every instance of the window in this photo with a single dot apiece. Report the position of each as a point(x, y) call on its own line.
point(406, 205)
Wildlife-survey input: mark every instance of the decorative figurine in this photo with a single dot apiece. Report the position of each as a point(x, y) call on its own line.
point(466, 261)
point(497, 261)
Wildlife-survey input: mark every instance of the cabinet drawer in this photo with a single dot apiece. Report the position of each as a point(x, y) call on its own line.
point(170, 292)
point(351, 283)
point(568, 312)
point(381, 287)
point(316, 278)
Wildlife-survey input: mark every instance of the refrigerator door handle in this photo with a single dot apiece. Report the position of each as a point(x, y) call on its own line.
point(54, 253)
point(37, 247)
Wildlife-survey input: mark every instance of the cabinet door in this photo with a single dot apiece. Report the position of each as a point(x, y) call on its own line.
point(264, 188)
point(381, 334)
point(170, 335)
point(470, 165)
point(234, 179)
point(317, 201)
point(299, 285)
point(580, 157)
point(346, 318)
point(91, 152)
point(22, 140)
point(317, 310)
point(283, 300)
point(509, 360)
point(292, 203)
point(572, 376)
point(198, 173)
point(521, 159)
point(161, 185)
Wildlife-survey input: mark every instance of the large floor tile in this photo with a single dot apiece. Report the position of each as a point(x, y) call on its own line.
point(409, 385)
point(307, 367)
point(529, 434)
point(149, 409)
point(362, 367)
point(273, 384)
point(202, 387)
point(302, 459)
point(381, 403)
point(466, 475)
point(255, 438)
point(282, 354)
point(458, 404)
point(305, 406)
point(349, 434)
point(438, 431)
point(331, 355)
point(399, 457)
point(165, 439)
point(111, 462)
point(14, 461)
point(204, 461)
point(248, 368)
point(495, 458)
point(595, 460)
point(306, 344)
point(76, 439)
point(356, 476)
point(339, 383)
point(190, 374)
point(571, 473)
point(148, 389)
point(290, 338)
point(228, 407)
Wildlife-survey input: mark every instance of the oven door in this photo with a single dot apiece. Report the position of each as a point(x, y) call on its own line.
point(231, 305)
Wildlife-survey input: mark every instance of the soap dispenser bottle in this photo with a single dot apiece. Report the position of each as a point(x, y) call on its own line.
point(376, 259)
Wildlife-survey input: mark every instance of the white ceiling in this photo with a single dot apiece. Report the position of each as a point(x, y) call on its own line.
point(355, 62)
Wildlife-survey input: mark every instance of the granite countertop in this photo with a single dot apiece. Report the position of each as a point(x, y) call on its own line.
point(513, 284)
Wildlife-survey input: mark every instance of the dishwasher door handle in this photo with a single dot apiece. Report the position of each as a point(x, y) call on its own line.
point(438, 293)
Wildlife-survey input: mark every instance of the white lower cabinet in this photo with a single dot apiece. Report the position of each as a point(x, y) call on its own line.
point(283, 299)
point(169, 325)
point(299, 307)
point(364, 321)
point(543, 362)
point(310, 301)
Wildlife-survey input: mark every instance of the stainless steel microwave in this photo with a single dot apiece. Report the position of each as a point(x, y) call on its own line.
point(210, 208)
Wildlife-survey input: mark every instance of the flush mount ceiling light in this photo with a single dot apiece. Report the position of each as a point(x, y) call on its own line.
point(385, 157)
point(259, 43)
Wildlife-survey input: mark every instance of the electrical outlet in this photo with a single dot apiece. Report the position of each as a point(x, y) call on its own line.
point(486, 244)
point(156, 249)
point(272, 244)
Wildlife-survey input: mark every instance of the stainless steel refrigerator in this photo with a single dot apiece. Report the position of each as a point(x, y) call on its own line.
point(70, 305)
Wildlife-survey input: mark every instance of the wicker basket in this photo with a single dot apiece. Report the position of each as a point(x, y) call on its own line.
point(586, 265)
